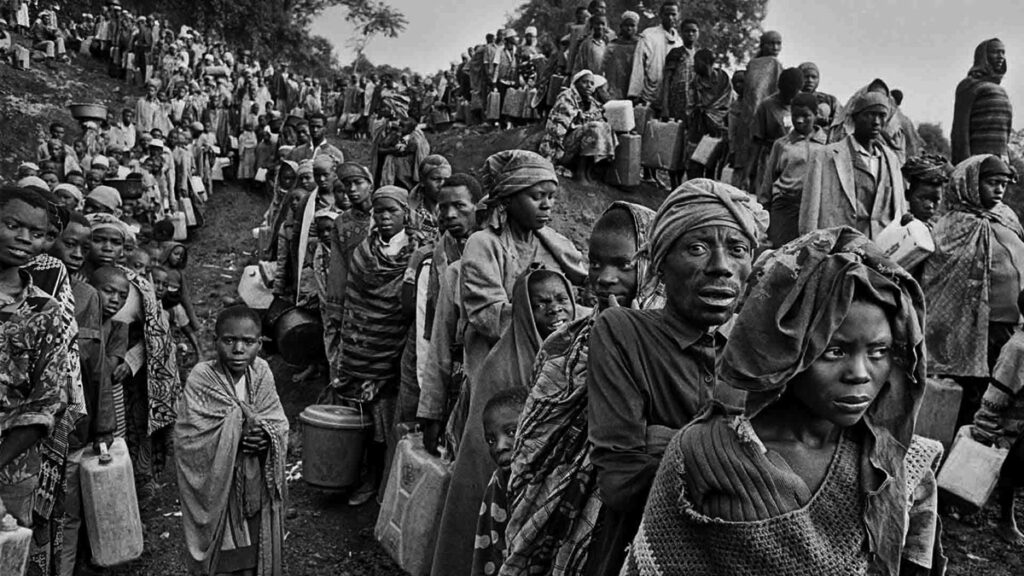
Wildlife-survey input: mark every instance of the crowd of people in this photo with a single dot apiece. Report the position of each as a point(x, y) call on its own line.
point(727, 384)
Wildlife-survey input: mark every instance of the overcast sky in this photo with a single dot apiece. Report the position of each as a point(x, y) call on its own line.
point(923, 47)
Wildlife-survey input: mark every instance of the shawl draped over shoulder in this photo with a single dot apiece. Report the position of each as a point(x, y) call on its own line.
point(956, 276)
point(980, 78)
point(215, 479)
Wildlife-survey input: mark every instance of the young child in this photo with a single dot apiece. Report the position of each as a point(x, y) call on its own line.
point(112, 286)
point(1000, 421)
point(374, 327)
point(500, 418)
point(174, 314)
point(247, 143)
point(175, 260)
point(231, 441)
point(783, 182)
point(140, 261)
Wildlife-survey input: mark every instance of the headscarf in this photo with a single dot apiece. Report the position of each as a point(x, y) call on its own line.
point(399, 195)
point(435, 163)
point(324, 162)
point(870, 101)
point(809, 66)
point(956, 277)
point(796, 300)
point(981, 69)
point(698, 203)
point(630, 16)
point(305, 167)
point(101, 221)
point(293, 166)
point(930, 168)
point(509, 172)
point(106, 196)
point(75, 192)
point(35, 183)
point(354, 170)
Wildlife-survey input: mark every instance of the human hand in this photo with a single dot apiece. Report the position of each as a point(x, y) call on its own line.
point(431, 435)
point(255, 441)
point(107, 439)
point(906, 219)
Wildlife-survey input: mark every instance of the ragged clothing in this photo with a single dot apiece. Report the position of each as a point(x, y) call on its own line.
point(231, 502)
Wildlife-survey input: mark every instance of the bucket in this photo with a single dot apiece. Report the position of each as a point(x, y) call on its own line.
point(300, 337)
point(332, 445)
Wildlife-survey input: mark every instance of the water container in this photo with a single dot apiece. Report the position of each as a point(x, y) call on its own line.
point(413, 503)
point(939, 409)
point(971, 472)
point(110, 506)
point(180, 226)
point(14, 545)
point(620, 115)
point(663, 145)
point(332, 445)
point(299, 335)
point(640, 114)
point(626, 166)
point(907, 245)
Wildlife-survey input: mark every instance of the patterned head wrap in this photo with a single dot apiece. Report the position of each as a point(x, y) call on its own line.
point(353, 170)
point(509, 172)
point(106, 196)
point(929, 168)
point(324, 162)
point(797, 298)
point(108, 222)
point(630, 16)
point(305, 167)
point(699, 203)
point(964, 193)
point(395, 193)
point(435, 163)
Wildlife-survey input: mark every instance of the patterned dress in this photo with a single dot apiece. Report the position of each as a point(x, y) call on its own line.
point(577, 128)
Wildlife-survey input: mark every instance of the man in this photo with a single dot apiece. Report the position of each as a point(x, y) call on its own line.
point(148, 109)
point(618, 58)
point(651, 51)
point(982, 115)
point(318, 144)
point(123, 133)
point(32, 384)
point(678, 75)
point(857, 181)
point(590, 52)
point(581, 31)
point(495, 42)
point(828, 105)
point(650, 372)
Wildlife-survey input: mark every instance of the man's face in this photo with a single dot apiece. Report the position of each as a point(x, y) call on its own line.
point(705, 273)
point(690, 34)
point(997, 57)
point(867, 124)
point(627, 30)
point(317, 129)
point(669, 17)
point(598, 24)
point(810, 80)
point(23, 229)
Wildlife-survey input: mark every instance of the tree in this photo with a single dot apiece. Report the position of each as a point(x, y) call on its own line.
point(935, 142)
point(372, 18)
point(729, 28)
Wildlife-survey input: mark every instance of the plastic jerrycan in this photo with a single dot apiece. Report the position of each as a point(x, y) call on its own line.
point(14, 545)
point(110, 505)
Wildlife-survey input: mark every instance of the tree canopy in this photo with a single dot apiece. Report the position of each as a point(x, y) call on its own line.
point(935, 142)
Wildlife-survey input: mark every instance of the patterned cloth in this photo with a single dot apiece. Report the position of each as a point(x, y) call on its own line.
point(956, 278)
point(223, 490)
point(553, 486)
point(797, 299)
point(676, 94)
point(489, 545)
point(982, 114)
point(575, 128)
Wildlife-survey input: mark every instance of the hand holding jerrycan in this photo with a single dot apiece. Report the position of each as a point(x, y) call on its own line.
point(14, 544)
point(110, 505)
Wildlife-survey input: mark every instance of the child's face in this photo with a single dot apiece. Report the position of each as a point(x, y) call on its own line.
point(307, 181)
point(389, 217)
point(113, 294)
point(500, 433)
point(69, 200)
point(72, 246)
point(159, 283)
point(106, 247)
point(322, 177)
point(238, 343)
point(139, 261)
point(323, 229)
point(924, 200)
point(176, 256)
point(431, 185)
point(551, 304)
point(803, 119)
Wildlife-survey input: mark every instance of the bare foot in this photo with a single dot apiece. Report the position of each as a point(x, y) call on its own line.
point(1009, 533)
point(306, 374)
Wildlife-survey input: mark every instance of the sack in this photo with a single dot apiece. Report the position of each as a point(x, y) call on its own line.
point(706, 151)
point(494, 106)
point(971, 471)
point(663, 145)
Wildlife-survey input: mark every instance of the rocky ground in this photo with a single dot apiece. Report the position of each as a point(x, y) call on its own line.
point(324, 535)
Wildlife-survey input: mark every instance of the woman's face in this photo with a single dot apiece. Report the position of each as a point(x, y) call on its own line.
point(844, 381)
point(106, 247)
point(307, 181)
point(532, 207)
point(613, 272)
point(992, 189)
point(388, 216)
point(357, 189)
point(585, 85)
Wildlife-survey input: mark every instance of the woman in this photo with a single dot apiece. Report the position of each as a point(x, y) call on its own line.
point(973, 278)
point(577, 130)
point(552, 490)
point(711, 99)
point(520, 186)
point(820, 473)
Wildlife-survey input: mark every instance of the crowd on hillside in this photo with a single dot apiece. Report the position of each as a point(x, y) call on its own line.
point(740, 395)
